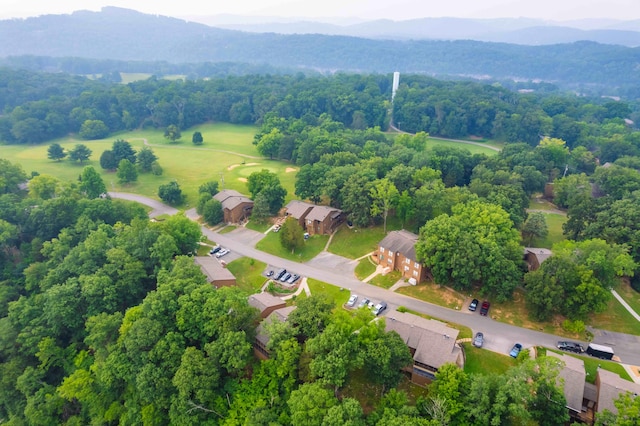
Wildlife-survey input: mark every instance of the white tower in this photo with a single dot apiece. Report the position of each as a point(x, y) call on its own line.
point(396, 83)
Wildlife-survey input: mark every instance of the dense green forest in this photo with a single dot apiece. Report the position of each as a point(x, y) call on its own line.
point(105, 319)
point(107, 35)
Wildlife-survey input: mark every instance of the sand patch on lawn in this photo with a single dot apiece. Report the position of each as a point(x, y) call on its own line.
point(243, 180)
point(233, 166)
point(290, 169)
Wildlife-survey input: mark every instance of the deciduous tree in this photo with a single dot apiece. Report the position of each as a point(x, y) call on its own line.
point(91, 183)
point(384, 197)
point(172, 133)
point(126, 172)
point(146, 158)
point(197, 138)
point(170, 193)
point(291, 235)
point(80, 153)
point(56, 152)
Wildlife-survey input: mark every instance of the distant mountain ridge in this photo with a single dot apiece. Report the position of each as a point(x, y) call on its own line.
point(127, 35)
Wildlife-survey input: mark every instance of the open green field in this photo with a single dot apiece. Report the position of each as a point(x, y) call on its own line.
point(337, 295)
point(554, 224)
point(474, 149)
point(482, 361)
point(314, 245)
point(248, 273)
point(227, 156)
point(354, 242)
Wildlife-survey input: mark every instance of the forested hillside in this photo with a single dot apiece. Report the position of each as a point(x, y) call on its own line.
point(121, 34)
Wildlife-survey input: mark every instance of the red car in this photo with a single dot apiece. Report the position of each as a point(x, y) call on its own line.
point(484, 308)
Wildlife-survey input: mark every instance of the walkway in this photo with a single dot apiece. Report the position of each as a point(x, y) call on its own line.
point(625, 304)
point(302, 287)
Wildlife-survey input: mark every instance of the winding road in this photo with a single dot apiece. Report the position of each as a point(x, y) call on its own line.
point(499, 337)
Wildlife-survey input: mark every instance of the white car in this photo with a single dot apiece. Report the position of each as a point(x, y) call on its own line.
point(352, 301)
point(222, 253)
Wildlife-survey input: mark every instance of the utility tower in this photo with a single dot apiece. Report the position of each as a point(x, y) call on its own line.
point(396, 83)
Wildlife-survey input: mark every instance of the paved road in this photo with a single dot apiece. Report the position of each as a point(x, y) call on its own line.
point(158, 207)
point(499, 337)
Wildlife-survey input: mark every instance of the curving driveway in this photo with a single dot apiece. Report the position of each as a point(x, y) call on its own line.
point(499, 337)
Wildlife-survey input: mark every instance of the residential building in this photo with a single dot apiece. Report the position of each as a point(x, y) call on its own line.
point(262, 338)
point(266, 303)
point(315, 219)
point(535, 256)
point(397, 252)
point(610, 387)
point(572, 377)
point(216, 273)
point(235, 206)
point(431, 343)
point(298, 210)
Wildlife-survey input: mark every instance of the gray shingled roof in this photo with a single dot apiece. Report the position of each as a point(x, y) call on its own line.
point(297, 208)
point(320, 213)
point(541, 254)
point(573, 376)
point(611, 387)
point(433, 341)
point(264, 301)
point(401, 242)
point(213, 269)
point(281, 315)
point(230, 198)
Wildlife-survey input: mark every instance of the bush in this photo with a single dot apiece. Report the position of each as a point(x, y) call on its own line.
point(576, 326)
point(170, 193)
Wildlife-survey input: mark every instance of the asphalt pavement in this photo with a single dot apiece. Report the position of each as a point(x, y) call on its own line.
point(499, 337)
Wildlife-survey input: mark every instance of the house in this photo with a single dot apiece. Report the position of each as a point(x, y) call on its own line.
point(397, 252)
point(315, 219)
point(235, 206)
point(535, 256)
point(323, 220)
point(432, 344)
point(217, 275)
point(610, 387)
point(262, 338)
point(298, 210)
point(573, 379)
point(266, 303)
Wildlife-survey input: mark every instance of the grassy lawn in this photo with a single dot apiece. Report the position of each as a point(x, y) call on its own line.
point(629, 295)
point(223, 157)
point(616, 318)
point(539, 203)
point(314, 245)
point(482, 361)
point(260, 227)
point(433, 293)
point(386, 281)
point(338, 295)
point(353, 243)
point(227, 229)
point(474, 149)
point(554, 224)
point(365, 268)
point(591, 365)
point(248, 273)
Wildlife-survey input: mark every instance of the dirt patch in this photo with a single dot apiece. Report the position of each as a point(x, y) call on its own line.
point(252, 164)
point(243, 180)
point(233, 166)
point(290, 169)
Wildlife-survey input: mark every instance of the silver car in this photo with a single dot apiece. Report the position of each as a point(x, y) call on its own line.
point(478, 341)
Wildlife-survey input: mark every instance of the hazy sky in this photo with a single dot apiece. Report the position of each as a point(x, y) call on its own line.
point(560, 10)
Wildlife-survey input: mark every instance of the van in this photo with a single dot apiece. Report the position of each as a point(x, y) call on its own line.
point(600, 351)
point(279, 274)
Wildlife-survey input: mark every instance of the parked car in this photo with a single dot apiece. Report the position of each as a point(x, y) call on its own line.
point(306, 235)
point(276, 228)
point(484, 309)
point(285, 277)
point(279, 274)
point(571, 347)
point(352, 300)
point(379, 308)
point(515, 350)
point(478, 341)
point(364, 302)
point(215, 250)
point(222, 253)
point(269, 273)
point(473, 305)
point(293, 278)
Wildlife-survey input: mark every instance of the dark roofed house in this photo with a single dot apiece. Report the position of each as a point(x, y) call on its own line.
point(298, 210)
point(266, 303)
point(235, 206)
point(323, 220)
point(397, 251)
point(217, 275)
point(610, 387)
point(262, 338)
point(535, 256)
point(432, 344)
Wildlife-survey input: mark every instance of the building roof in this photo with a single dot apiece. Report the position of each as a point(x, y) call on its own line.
point(298, 209)
point(230, 198)
point(213, 269)
point(264, 301)
point(611, 387)
point(573, 376)
point(401, 242)
point(281, 315)
point(541, 254)
point(320, 213)
point(433, 341)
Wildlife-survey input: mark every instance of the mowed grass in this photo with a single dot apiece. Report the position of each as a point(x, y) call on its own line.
point(248, 273)
point(616, 318)
point(482, 361)
point(591, 364)
point(226, 156)
point(355, 242)
point(554, 224)
point(365, 268)
point(629, 295)
point(386, 281)
point(312, 246)
point(337, 295)
point(436, 294)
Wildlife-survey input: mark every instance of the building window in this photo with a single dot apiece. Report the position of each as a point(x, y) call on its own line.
point(381, 249)
point(415, 273)
point(381, 257)
point(390, 253)
point(417, 264)
point(389, 260)
point(407, 261)
point(406, 268)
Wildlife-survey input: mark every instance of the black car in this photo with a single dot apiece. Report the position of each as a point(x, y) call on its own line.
point(484, 309)
point(571, 347)
point(473, 305)
point(215, 250)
